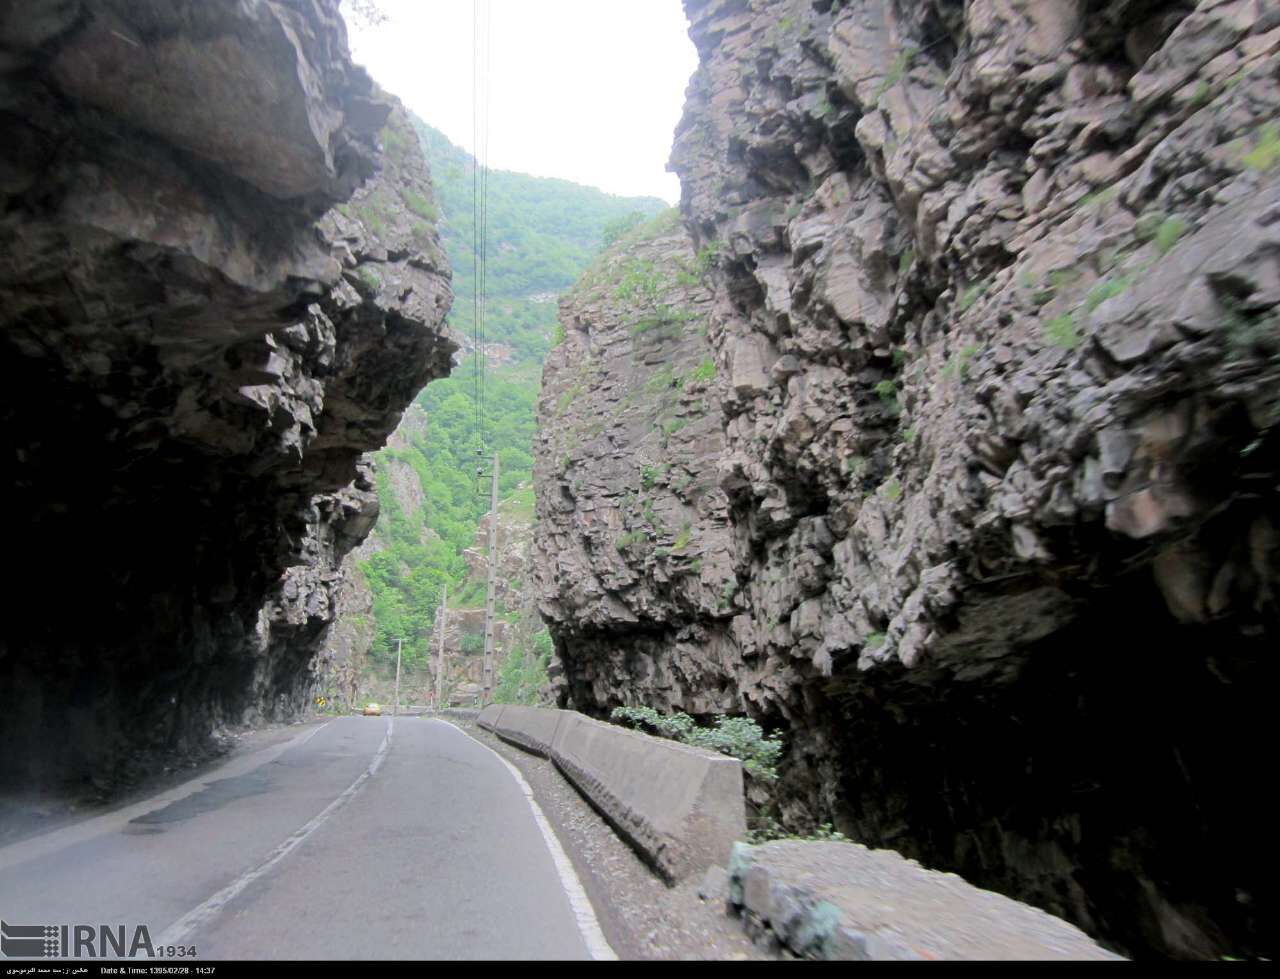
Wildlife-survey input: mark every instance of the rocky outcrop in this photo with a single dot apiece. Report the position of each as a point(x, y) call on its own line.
point(220, 283)
point(995, 322)
point(342, 661)
point(632, 551)
point(833, 900)
point(342, 657)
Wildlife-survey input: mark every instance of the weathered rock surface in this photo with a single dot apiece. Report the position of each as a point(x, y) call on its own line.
point(996, 321)
point(340, 663)
point(827, 900)
point(632, 551)
point(201, 339)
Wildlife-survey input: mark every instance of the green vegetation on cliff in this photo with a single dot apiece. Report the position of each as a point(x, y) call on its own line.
point(525, 669)
point(542, 234)
point(739, 737)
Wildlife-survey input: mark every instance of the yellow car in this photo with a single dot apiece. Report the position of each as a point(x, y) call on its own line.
point(372, 710)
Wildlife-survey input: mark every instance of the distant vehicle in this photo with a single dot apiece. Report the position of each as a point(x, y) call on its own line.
point(372, 710)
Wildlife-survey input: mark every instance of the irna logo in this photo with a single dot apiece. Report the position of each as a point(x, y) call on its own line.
point(74, 941)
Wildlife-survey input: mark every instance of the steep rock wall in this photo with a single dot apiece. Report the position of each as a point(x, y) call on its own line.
point(999, 318)
point(342, 657)
point(995, 317)
point(632, 549)
point(200, 341)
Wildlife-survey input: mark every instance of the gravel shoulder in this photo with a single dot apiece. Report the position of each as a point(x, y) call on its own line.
point(641, 917)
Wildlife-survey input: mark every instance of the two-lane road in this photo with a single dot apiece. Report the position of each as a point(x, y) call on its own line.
point(362, 840)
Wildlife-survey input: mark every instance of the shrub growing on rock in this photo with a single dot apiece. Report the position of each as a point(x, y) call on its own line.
point(738, 737)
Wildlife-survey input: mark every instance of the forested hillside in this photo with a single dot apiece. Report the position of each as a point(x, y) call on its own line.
point(543, 233)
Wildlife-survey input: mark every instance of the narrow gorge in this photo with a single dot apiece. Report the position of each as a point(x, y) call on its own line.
point(936, 430)
point(974, 500)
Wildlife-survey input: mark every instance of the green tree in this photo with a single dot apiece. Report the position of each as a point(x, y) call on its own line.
point(523, 674)
point(542, 235)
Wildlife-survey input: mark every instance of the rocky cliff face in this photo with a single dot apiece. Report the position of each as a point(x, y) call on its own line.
point(995, 318)
point(342, 661)
point(201, 339)
point(632, 550)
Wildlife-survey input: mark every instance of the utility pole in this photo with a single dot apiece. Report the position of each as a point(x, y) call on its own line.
point(396, 710)
point(489, 605)
point(444, 605)
point(526, 660)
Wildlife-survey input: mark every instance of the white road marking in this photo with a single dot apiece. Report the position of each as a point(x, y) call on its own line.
point(58, 839)
point(588, 926)
point(176, 933)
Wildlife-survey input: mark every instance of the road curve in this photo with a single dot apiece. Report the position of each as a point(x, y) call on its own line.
point(362, 841)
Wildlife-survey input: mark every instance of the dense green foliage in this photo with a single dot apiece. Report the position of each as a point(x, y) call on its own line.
point(766, 829)
point(739, 737)
point(524, 671)
point(542, 234)
point(406, 579)
point(407, 575)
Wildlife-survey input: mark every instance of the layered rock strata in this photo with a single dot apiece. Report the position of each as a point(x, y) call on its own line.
point(220, 283)
point(631, 549)
point(995, 319)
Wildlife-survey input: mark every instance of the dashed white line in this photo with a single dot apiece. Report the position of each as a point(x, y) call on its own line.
point(177, 933)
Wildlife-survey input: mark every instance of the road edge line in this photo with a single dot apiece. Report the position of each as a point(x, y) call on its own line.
point(588, 924)
point(204, 912)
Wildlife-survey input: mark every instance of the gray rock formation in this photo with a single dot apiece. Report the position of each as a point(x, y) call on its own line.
point(201, 339)
point(632, 552)
point(341, 662)
point(829, 900)
point(995, 318)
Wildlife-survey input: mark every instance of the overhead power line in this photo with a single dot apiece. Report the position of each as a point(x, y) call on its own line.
point(481, 38)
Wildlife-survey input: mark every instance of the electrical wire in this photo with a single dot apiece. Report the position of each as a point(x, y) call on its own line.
point(481, 41)
point(486, 118)
point(475, 224)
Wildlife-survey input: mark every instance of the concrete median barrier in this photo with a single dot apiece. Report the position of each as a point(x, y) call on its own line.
point(489, 716)
point(680, 807)
point(530, 728)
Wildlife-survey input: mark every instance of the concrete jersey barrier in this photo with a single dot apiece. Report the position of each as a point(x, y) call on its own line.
point(530, 728)
point(681, 807)
point(489, 716)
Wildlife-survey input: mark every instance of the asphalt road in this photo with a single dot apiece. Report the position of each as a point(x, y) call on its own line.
point(357, 840)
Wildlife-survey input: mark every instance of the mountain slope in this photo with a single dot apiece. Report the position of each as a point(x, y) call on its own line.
point(543, 233)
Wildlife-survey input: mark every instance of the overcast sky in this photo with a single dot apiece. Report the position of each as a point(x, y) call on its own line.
point(587, 90)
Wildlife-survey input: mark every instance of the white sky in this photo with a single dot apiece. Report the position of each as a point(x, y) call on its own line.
point(587, 90)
